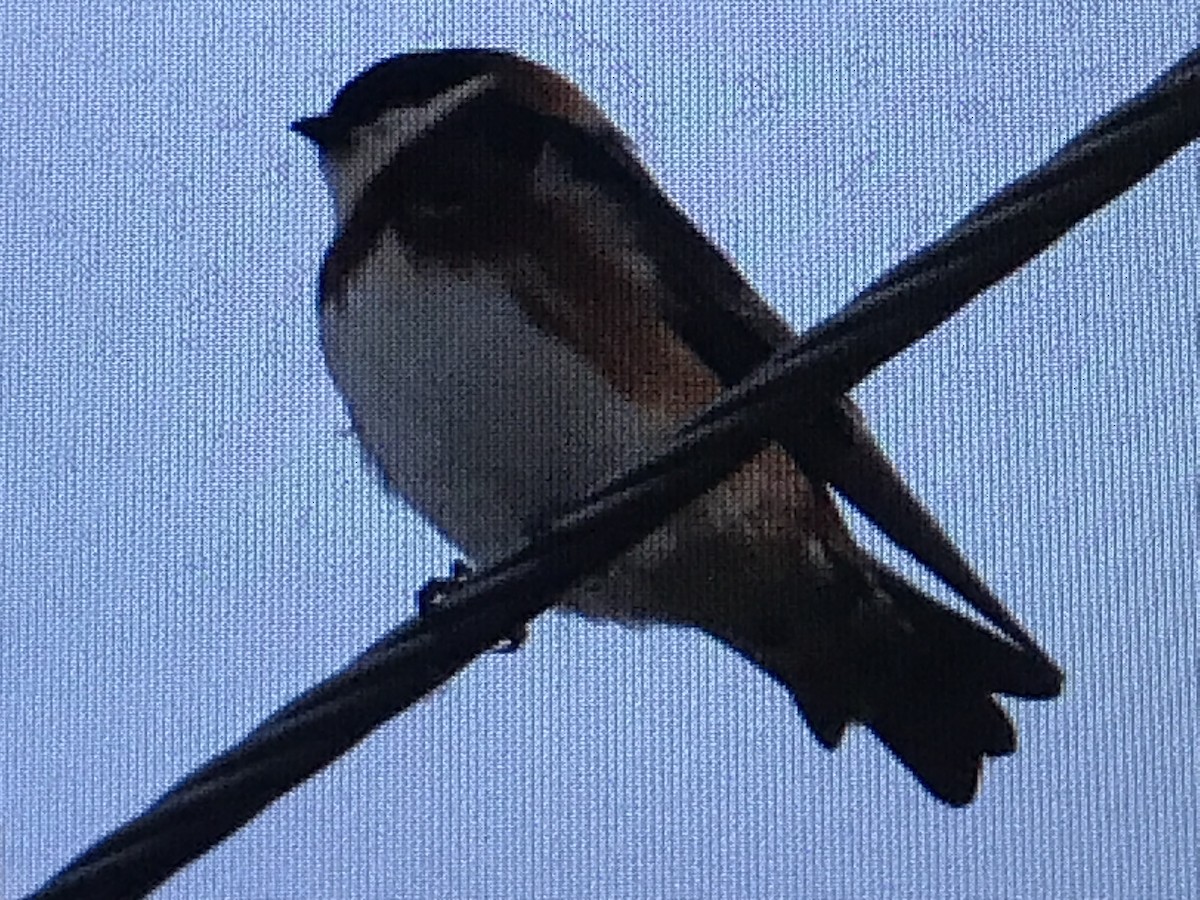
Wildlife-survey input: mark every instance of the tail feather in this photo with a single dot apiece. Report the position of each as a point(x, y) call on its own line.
point(943, 735)
point(924, 678)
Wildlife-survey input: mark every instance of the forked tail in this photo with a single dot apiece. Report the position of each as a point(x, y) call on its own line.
point(924, 679)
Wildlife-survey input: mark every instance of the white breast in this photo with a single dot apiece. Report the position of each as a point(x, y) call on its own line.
point(484, 422)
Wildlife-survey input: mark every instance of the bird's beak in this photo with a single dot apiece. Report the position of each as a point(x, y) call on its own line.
point(321, 130)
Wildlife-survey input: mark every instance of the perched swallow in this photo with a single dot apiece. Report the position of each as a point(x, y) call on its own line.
point(514, 312)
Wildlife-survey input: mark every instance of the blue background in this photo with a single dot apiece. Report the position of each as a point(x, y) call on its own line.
point(190, 539)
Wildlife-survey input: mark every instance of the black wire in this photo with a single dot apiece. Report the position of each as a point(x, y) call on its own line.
point(905, 304)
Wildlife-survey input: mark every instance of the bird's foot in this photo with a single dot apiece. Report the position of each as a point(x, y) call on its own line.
point(437, 590)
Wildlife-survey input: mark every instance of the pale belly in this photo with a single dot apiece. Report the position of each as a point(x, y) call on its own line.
point(488, 426)
point(482, 421)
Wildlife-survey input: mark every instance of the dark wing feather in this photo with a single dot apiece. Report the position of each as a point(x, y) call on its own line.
point(733, 331)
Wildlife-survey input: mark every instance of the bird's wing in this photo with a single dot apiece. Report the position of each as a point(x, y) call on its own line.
point(733, 331)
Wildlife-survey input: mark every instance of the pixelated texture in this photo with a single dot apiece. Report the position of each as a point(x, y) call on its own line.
point(191, 538)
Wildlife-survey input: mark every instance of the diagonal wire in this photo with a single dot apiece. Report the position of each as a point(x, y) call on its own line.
point(309, 733)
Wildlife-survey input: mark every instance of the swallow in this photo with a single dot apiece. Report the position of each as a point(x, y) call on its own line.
point(514, 312)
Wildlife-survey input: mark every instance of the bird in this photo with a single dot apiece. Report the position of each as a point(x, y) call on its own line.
point(514, 312)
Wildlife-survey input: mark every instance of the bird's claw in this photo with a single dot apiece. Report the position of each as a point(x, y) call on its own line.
point(437, 590)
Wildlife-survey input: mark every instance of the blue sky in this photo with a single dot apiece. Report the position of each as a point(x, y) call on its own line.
point(191, 539)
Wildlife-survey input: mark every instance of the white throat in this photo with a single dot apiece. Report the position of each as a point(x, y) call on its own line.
point(348, 172)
